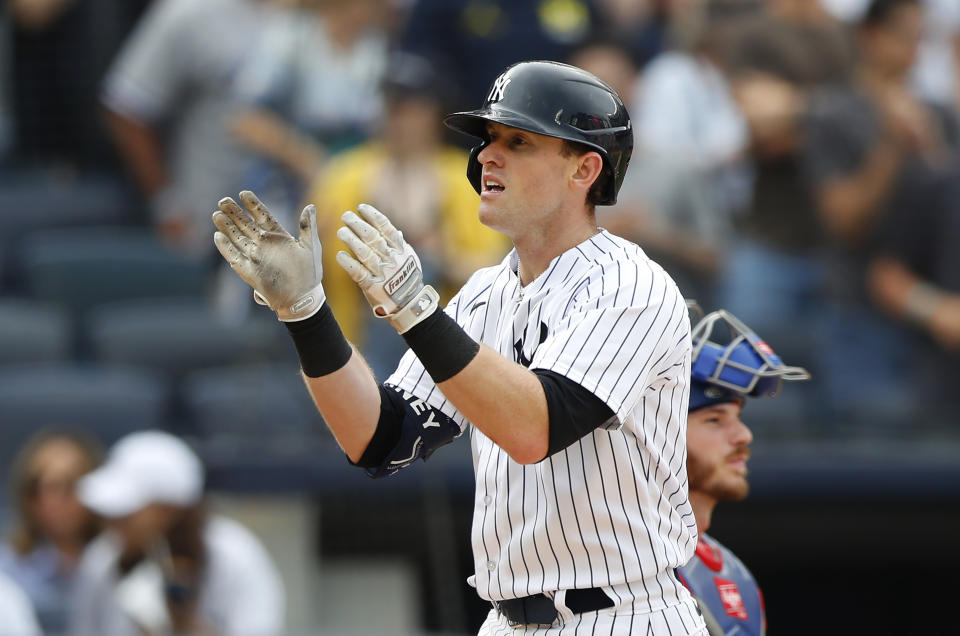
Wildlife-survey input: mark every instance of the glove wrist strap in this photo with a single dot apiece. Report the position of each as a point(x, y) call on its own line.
point(301, 308)
point(418, 309)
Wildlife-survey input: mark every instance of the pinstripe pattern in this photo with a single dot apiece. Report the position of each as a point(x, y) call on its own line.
point(610, 510)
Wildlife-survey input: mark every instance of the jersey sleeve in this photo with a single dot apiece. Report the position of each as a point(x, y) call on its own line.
point(624, 328)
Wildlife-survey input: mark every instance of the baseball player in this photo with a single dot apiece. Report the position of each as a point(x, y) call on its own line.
point(718, 446)
point(568, 363)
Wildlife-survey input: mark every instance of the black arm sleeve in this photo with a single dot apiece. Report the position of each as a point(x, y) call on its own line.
point(573, 410)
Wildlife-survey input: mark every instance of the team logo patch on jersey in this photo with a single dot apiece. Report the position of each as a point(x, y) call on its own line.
point(731, 599)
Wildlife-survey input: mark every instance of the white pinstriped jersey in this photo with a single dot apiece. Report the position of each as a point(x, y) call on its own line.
point(610, 510)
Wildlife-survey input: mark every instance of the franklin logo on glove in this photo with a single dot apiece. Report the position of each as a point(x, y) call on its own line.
point(395, 283)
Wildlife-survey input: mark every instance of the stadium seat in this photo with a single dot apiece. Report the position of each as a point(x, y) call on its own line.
point(33, 332)
point(177, 335)
point(39, 199)
point(260, 407)
point(34, 200)
point(84, 267)
point(106, 402)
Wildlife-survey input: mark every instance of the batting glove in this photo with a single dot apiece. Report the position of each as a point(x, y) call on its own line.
point(285, 272)
point(386, 268)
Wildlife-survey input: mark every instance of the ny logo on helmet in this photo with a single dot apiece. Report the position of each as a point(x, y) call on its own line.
point(500, 85)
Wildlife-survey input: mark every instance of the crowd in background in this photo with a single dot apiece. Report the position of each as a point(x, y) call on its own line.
point(795, 159)
point(796, 162)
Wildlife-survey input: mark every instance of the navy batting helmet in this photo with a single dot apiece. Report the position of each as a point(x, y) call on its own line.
point(556, 100)
point(744, 366)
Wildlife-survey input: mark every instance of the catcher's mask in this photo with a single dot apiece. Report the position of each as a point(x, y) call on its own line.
point(556, 100)
point(745, 366)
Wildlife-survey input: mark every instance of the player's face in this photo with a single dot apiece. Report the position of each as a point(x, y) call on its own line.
point(523, 180)
point(718, 446)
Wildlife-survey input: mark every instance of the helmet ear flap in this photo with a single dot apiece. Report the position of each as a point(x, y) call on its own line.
point(474, 169)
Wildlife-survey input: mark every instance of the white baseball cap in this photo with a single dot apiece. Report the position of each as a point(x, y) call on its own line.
point(143, 468)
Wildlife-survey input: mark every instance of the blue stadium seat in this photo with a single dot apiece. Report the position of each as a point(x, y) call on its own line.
point(39, 199)
point(34, 200)
point(33, 332)
point(262, 408)
point(106, 402)
point(84, 267)
point(177, 335)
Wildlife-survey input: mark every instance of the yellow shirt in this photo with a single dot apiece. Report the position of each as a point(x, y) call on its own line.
point(442, 207)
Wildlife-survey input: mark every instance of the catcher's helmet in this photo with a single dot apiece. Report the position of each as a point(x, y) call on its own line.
point(556, 100)
point(745, 366)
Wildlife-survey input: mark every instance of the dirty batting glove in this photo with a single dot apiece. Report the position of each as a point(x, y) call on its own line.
point(284, 272)
point(386, 268)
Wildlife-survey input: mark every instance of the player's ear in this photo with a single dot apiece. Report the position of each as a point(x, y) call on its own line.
point(588, 168)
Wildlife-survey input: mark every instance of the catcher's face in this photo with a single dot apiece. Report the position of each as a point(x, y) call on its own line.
point(718, 446)
point(524, 182)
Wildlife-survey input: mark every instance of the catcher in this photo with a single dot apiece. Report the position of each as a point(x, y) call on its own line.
point(718, 446)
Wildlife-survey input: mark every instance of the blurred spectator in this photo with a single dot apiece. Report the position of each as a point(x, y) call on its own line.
point(846, 11)
point(59, 50)
point(687, 175)
point(164, 564)
point(479, 38)
point(53, 527)
point(773, 277)
point(168, 95)
point(935, 76)
point(409, 172)
point(6, 116)
point(648, 28)
point(883, 167)
point(643, 26)
point(16, 614)
point(310, 89)
point(916, 277)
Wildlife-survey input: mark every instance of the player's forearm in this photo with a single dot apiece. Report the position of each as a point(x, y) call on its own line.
point(498, 396)
point(341, 384)
point(349, 400)
point(505, 401)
